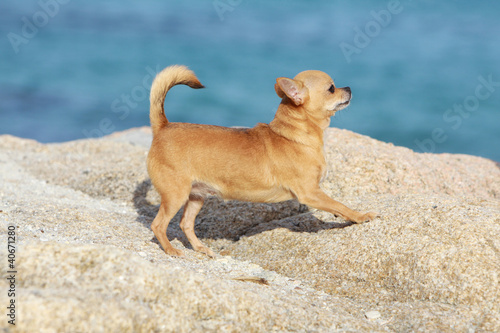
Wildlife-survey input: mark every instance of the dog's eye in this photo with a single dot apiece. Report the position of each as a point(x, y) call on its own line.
point(332, 89)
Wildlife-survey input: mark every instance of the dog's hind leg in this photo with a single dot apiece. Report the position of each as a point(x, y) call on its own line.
point(171, 202)
point(192, 209)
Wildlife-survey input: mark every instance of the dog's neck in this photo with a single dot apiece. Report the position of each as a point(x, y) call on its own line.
point(296, 124)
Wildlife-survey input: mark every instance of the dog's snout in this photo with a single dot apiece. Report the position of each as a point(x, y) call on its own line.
point(348, 91)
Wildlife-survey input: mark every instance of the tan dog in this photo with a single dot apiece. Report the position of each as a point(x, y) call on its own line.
point(271, 162)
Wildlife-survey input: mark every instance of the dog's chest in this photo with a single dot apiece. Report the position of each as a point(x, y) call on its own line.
point(324, 172)
point(323, 165)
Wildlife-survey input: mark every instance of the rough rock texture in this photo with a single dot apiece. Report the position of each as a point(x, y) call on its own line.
point(88, 262)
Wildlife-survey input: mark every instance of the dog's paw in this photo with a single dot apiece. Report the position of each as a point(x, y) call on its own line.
point(368, 217)
point(205, 250)
point(174, 252)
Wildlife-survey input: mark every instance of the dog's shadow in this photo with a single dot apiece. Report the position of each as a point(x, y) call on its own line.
point(232, 219)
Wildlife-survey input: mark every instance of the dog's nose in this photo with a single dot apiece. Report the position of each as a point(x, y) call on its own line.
point(348, 89)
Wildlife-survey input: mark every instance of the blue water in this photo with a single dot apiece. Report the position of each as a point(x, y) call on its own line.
point(419, 71)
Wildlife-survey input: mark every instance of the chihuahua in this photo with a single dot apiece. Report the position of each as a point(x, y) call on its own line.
point(272, 162)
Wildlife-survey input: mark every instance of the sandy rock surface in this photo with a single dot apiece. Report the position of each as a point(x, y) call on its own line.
point(87, 261)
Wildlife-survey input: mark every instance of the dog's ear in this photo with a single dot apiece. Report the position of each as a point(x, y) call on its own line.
point(291, 88)
point(280, 92)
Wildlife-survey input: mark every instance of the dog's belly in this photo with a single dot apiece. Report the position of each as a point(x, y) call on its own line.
point(203, 190)
point(269, 194)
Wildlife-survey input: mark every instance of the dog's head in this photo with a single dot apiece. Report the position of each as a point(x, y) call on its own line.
point(315, 91)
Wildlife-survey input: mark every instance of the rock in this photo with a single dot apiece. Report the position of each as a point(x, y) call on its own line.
point(86, 259)
point(372, 315)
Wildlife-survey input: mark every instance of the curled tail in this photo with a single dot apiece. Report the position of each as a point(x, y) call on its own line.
point(166, 79)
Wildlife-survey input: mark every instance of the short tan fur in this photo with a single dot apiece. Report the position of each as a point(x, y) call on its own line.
point(271, 162)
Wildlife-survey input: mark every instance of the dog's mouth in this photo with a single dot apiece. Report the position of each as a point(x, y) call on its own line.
point(343, 105)
point(340, 106)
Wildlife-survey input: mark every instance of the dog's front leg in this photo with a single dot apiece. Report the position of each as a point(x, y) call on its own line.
point(318, 199)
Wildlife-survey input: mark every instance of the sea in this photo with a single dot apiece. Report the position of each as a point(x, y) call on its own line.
point(424, 74)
